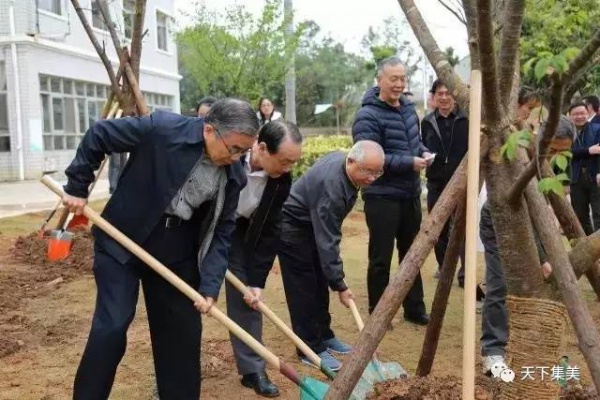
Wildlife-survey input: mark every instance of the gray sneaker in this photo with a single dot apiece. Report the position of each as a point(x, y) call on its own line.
point(327, 360)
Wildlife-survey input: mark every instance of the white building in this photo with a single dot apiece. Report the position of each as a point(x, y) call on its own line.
point(53, 84)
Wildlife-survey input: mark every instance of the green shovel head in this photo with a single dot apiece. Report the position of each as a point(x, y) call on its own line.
point(313, 389)
point(378, 371)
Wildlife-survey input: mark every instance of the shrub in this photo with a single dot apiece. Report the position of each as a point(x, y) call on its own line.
point(317, 146)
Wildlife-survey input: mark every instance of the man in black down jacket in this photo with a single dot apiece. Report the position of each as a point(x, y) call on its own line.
point(445, 132)
point(392, 203)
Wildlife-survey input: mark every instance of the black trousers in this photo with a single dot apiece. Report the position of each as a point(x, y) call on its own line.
point(305, 285)
point(585, 194)
point(390, 220)
point(433, 194)
point(175, 325)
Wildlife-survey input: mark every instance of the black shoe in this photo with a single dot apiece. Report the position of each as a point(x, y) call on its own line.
point(261, 384)
point(422, 319)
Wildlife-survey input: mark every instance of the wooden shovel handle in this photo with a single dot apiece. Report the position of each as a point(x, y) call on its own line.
point(169, 276)
point(356, 315)
point(239, 285)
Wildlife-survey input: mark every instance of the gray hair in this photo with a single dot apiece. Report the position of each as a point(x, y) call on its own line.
point(233, 115)
point(388, 62)
point(358, 151)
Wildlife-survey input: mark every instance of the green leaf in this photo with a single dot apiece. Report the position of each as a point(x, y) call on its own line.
point(559, 62)
point(567, 153)
point(509, 149)
point(541, 68)
point(563, 177)
point(562, 162)
point(557, 187)
point(529, 65)
point(570, 53)
point(548, 185)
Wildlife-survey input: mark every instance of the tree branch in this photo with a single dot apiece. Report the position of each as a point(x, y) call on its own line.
point(436, 57)
point(485, 32)
point(514, 195)
point(459, 17)
point(114, 82)
point(136, 37)
point(139, 98)
point(471, 17)
point(584, 56)
point(509, 49)
point(110, 25)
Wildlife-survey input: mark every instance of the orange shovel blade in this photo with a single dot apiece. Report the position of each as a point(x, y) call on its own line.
point(78, 220)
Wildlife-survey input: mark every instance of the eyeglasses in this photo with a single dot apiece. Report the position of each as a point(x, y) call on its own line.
point(232, 150)
point(375, 174)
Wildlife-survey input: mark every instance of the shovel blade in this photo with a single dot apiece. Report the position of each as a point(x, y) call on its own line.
point(378, 371)
point(313, 389)
point(78, 220)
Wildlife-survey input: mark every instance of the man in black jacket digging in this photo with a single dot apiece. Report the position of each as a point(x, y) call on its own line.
point(254, 242)
point(445, 132)
point(311, 232)
point(177, 200)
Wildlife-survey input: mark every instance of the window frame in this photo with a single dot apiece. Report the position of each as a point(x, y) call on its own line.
point(4, 132)
point(168, 17)
point(61, 5)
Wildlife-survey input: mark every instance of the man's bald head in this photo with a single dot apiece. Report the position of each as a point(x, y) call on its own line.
point(365, 162)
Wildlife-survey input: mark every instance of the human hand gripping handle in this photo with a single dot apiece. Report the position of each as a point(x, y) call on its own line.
point(167, 274)
point(346, 297)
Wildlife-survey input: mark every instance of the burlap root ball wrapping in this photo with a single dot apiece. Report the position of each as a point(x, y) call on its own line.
point(536, 332)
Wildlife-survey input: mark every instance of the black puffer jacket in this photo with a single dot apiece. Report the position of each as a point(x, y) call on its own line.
point(397, 131)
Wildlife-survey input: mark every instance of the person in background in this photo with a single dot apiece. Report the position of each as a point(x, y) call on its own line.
point(311, 232)
point(585, 168)
point(445, 132)
point(177, 201)
point(393, 202)
point(254, 243)
point(204, 106)
point(266, 111)
point(592, 103)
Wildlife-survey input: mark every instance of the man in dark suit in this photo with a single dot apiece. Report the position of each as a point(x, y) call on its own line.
point(254, 243)
point(592, 103)
point(177, 199)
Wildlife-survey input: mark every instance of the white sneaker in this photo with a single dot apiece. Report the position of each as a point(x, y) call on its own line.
point(493, 365)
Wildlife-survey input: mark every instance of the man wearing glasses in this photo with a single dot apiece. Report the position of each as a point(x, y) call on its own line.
point(177, 199)
point(393, 203)
point(255, 240)
point(309, 251)
point(445, 131)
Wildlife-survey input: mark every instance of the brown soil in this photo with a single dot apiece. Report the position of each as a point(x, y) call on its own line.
point(431, 388)
point(450, 388)
point(25, 273)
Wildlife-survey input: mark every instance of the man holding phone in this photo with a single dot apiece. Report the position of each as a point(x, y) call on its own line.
point(446, 131)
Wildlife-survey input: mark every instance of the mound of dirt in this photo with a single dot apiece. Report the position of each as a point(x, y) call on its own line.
point(579, 392)
point(217, 358)
point(430, 388)
point(27, 273)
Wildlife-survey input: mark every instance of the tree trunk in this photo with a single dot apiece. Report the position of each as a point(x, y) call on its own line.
point(444, 286)
point(136, 37)
point(587, 332)
point(290, 76)
point(436, 57)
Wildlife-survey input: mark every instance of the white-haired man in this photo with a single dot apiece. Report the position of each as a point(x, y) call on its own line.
point(311, 232)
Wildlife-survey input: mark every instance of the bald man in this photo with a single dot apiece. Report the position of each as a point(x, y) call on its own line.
point(309, 252)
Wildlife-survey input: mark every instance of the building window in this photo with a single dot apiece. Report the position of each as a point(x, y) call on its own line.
point(53, 6)
point(97, 18)
point(4, 133)
point(161, 30)
point(156, 101)
point(128, 17)
point(69, 107)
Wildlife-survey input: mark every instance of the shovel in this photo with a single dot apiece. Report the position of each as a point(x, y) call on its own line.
point(376, 370)
point(363, 387)
point(310, 388)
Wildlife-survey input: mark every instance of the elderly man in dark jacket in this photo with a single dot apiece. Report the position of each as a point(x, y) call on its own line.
point(445, 132)
point(177, 200)
point(255, 240)
point(311, 233)
point(392, 203)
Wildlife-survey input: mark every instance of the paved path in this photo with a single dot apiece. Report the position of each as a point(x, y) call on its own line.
point(23, 197)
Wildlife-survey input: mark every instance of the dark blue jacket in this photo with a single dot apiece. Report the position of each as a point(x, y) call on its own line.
point(589, 136)
point(163, 147)
point(397, 131)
